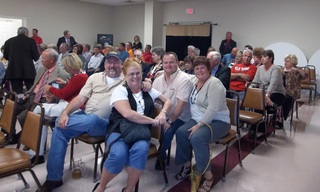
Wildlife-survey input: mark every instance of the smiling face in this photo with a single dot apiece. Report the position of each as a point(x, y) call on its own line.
point(113, 67)
point(202, 72)
point(133, 76)
point(169, 64)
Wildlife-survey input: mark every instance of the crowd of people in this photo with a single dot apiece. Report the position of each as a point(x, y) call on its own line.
point(89, 91)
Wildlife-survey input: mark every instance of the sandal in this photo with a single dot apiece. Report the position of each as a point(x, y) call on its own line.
point(184, 173)
point(205, 187)
point(95, 187)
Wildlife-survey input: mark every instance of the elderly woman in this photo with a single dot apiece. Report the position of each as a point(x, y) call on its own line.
point(129, 102)
point(60, 93)
point(157, 54)
point(208, 107)
point(292, 78)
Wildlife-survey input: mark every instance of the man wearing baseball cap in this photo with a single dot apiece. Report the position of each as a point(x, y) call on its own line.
point(93, 119)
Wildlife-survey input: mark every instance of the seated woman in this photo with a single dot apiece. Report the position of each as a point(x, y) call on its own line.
point(72, 64)
point(292, 78)
point(151, 70)
point(129, 102)
point(188, 64)
point(270, 76)
point(208, 107)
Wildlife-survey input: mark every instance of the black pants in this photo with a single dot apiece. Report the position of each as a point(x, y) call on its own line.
point(288, 102)
point(17, 84)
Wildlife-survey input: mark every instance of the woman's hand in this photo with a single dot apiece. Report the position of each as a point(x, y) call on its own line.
point(268, 101)
point(161, 118)
point(46, 88)
point(193, 129)
point(166, 126)
point(60, 81)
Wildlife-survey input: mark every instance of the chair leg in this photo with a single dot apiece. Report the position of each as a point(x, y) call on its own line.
point(96, 163)
point(225, 163)
point(163, 170)
point(26, 185)
point(297, 110)
point(239, 150)
point(71, 153)
point(136, 188)
point(35, 178)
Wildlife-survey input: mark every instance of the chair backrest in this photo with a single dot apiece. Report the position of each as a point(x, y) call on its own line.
point(307, 80)
point(8, 117)
point(254, 98)
point(233, 106)
point(32, 129)
point(312, 73)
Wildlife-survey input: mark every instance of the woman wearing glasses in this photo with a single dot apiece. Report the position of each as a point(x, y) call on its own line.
point(208, 107)
point(131, 103)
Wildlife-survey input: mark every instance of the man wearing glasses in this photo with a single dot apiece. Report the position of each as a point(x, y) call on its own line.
point(76, 120)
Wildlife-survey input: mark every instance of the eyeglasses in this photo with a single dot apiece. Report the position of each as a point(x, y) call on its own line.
point(115, 62)
point(134, 74)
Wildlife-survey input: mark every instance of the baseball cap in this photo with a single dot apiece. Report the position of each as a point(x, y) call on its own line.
point(113, 54)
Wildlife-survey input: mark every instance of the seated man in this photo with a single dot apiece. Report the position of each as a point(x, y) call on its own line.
point(242, 73)
point(228, 59)
point(175, 85)
point(95, 60)
point(93, 120)
point(46, 75)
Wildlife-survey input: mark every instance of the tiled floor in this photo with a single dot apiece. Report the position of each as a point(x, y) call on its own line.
point(289, 162)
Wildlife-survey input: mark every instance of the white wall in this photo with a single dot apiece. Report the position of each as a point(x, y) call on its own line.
point(255, 22)
point(51, 18)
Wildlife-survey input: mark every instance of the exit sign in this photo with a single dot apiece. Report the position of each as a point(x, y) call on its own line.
point(190, 11)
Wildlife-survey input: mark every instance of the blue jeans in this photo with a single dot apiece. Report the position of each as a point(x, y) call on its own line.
point(79, 123)
point(122, 154)
point(168, 136)
point(199, 142)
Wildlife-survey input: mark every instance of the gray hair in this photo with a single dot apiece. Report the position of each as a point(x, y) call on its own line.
point(248, 50)
point(66, 32)
point(52, 54)
point(23, 30)
point(197, 51)
point(159, 51)
point(191, 47)
point(42, 47)
point(215, 55)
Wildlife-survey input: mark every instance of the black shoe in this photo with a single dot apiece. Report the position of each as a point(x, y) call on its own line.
point(48, 186)
point(184, 173)
point(279, 125)
point(15, 138)
point(158, 166)
point(40, 160)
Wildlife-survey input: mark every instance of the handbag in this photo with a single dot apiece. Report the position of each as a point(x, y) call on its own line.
point(132, 132)
point(195, 176)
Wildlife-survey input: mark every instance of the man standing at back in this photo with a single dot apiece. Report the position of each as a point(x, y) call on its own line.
point(175, 85)
point(227, 45)
point(68, 39)
point(20, 51)
point(36, 37)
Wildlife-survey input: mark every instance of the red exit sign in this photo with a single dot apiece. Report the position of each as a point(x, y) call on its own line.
point(190, 11)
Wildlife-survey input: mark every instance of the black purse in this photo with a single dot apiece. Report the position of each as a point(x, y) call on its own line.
point(132, 132)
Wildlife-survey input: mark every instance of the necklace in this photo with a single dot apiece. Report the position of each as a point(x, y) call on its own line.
point(194, 94)
point(140, 101)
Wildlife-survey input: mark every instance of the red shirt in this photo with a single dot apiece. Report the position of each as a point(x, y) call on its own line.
point(250, 70)
point(147, 57)
point(37, 39)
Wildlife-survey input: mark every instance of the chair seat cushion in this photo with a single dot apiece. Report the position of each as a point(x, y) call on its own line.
point(12, 159)
point(250, 117)
point(231, 135)
point(2, 138)
point(90, 139)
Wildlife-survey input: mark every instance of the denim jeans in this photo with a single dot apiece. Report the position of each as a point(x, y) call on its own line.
point(168, 136)
point(122, 154)
point(199, 142)
point(79, 123)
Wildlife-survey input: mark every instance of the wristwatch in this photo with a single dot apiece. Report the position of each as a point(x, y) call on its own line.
point(170, 121)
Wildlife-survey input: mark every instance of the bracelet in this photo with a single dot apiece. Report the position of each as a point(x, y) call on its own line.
point(165, 112)
point(200, 125)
